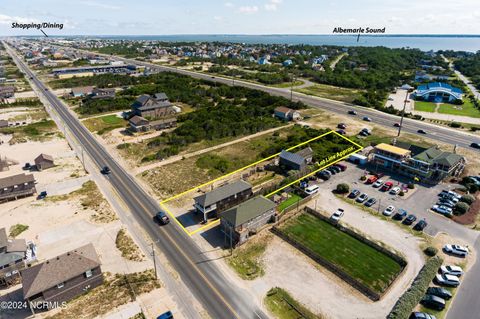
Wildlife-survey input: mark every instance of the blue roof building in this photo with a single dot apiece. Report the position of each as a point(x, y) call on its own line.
point(287, 62)
point(438, 92)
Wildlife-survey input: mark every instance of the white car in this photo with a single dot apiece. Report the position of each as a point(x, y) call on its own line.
point(389, 210)
point(456, 250)
point(378, 183)
point(451, 270)
point(395, 190)
point(338, 214)
point(447, 280)
point(442, 209)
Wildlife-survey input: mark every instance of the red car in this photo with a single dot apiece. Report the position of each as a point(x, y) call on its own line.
point(387, 186)
point(372, 179)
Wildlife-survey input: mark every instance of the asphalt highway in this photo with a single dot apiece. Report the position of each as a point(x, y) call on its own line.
point(219, 297)
point(442, 134)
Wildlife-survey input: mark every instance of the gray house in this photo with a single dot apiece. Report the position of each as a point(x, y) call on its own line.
point(153, 107)
point(245, 219)
point(17, 186)
point(296, 161)
point(44, 161)
point(222, 198)
point(12, 258)
point(64, 277)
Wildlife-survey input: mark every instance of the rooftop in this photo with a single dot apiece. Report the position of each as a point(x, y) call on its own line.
point(392, 149)
point(59, 269)
point(222, 192)
point(247, 210)
point(16, 180)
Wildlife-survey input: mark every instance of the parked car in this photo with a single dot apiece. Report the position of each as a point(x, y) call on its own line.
point(422, 131)
point(342, 166)
point(400, 215)
point(475, 145)
point(395, 191)
point(372, 179)
point(354, 193)
point(370, 202)
point(420, 225)
point(447, 280)
point(366, 118)
point(446, 202)
point(387, 186)
point(389, 210)
point(162, 218)
point(433, 302)
point(439, 292)
point(42, 195)
point(324, 175)
point(342, 132)
point(421, 315)
point(352, 112)
point(378, 183)
point(331, 170)
point(456, 250)
point(338, 214)
point(27, 167)
point(166, 315)
point(105, 170)
point(342, 126)
point(311, 189)
point(366, 131)
point(363, 197)
point(451, 270)
point(441, 209)
point(336, 168)
point(409, 220)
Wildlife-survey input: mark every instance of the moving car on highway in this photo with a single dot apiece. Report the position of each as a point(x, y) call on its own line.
point(105, 170)
point(162, 218)
point(366, 118)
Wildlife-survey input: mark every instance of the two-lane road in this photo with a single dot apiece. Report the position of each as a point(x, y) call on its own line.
point(218, 296)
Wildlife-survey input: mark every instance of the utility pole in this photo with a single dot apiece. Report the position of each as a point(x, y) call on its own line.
point(291, 88)
point(154, 261)
point(403, 114)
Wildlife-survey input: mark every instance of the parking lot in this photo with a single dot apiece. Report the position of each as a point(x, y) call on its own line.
point(417, 201)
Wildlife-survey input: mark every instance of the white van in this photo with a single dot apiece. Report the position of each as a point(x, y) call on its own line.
point(311, 189)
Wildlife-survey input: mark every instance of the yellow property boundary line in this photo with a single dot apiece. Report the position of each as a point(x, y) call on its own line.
point(330, 161)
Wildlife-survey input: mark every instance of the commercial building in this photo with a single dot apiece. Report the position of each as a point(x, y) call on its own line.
point(287, 114)
point(17, 186)
point(222, 198)
point(438, 92)
point(103, 93)
point(6, 92)
point(296, 161)
point(431, 165)
point(62, 278)
point(64, 73)
point(82, 91)
point(245, 219)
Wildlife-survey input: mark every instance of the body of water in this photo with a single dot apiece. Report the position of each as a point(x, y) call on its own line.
point(423, 42)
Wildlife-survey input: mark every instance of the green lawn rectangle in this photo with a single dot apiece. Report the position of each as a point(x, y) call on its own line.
point(423, 106)
point(466, 109)
point(359, 260)
point(293, 199)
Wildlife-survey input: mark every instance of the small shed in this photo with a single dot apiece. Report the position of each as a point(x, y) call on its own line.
point(44, 161)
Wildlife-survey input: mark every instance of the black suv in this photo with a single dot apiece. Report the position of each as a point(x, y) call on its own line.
point(105, 170)
point(439, 292)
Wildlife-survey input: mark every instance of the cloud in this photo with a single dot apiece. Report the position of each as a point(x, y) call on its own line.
point(248, 9)
point(272, 5)
point(4, 19)
point(96, 4)
point(217, 18)
point(228, 4)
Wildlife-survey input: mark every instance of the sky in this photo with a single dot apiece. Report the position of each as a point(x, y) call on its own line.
point(170, 17)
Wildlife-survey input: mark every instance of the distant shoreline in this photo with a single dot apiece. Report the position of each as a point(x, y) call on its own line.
point(424, 42)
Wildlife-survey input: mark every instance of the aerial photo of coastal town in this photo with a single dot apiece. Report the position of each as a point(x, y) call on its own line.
point(236, 159)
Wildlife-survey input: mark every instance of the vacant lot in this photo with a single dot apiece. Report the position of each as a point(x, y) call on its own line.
point(331, 92)
point(366, 264)
point(104, 124)
point(38, 131)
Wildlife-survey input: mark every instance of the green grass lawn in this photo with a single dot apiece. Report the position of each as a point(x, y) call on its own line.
point(288, 84)
point(369, 266)
point(331, 92)
point(283, 306)
point(246, 260)
point(466, 109)
point(294, 198)
point(425, 106)
point(104, 124)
